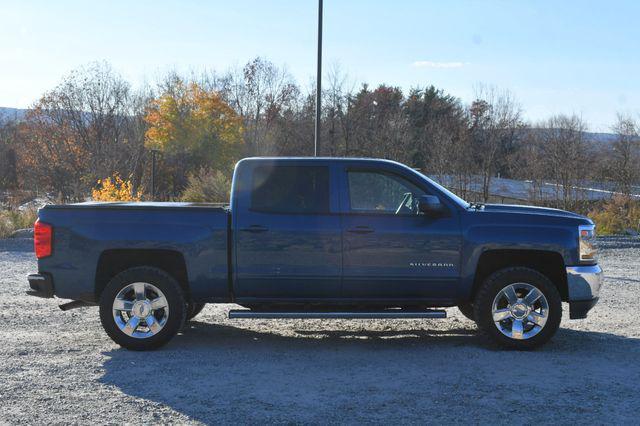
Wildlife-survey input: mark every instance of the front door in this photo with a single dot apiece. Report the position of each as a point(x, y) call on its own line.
point(288, 242)
point(390, 249)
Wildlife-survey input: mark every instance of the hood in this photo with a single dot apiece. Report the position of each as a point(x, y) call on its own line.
point(531, 210)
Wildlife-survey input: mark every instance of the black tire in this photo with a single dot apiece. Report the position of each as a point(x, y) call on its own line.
point(175, 301)
point(500, 280)
point(193, 309)
point(467, 310)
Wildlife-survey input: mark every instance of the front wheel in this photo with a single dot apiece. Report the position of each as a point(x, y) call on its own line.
point(142, 308)
point(518, 308)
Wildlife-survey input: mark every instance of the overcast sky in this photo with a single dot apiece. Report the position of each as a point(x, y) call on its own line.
point(556, 56)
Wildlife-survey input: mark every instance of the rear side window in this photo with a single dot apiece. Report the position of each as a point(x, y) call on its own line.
point(290, 189)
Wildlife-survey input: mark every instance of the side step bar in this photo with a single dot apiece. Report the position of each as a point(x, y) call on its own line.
point(400, 314)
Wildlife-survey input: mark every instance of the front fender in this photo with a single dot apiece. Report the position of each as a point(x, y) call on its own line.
point(479, 239)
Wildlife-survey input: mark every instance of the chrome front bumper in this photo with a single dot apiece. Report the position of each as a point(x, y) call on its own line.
point(583, 284)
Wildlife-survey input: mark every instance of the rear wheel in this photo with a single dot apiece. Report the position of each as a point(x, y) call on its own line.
point(518, 308)
point(142, 308)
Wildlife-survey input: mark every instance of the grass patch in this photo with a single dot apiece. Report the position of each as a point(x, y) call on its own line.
point(616, 216)
point(12, 220)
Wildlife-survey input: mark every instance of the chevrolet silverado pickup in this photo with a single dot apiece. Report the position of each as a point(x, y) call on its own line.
point(319, 238)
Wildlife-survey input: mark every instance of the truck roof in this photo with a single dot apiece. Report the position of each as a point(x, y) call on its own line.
point(349, 159)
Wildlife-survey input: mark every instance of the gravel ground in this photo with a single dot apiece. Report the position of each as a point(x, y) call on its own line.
point(59, 367)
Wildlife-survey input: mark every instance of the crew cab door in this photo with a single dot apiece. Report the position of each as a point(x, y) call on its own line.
point(390, 250)
point(287, 239)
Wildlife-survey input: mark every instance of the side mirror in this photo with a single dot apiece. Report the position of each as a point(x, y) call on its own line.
point(431, 205)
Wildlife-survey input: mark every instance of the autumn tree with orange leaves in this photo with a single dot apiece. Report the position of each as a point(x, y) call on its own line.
point(194, 129)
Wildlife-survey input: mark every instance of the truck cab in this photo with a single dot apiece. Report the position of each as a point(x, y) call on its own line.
point(320, 238)
point(323, 230)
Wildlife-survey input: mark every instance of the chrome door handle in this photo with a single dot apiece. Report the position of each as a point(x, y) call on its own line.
point(361, 230)
point(255, 229)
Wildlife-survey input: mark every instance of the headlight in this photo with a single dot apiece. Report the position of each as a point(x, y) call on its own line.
point(587, 240)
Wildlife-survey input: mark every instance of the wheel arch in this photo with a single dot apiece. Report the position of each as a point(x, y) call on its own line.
point(549, 263)
point(112, 262)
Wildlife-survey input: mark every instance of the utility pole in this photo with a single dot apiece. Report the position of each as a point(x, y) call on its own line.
point(153, 174)
point(316, 148)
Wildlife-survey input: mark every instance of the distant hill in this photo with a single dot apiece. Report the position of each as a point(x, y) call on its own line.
point(12, 113)
point(594, 137)
point(605, 138)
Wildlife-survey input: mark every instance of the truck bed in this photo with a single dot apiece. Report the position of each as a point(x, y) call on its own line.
point(86, 234)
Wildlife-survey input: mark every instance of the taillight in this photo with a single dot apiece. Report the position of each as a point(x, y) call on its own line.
point(42, 239)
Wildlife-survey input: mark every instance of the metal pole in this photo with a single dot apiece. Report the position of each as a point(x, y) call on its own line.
point(316, 149)
point(153, 174)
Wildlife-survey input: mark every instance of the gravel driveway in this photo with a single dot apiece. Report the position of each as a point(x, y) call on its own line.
point(59, 367)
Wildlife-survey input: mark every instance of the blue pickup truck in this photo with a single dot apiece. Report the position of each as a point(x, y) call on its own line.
point(319, 238)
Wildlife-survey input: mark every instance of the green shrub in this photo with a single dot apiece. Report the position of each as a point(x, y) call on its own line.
point(617, 215)
point(12, 220)
point(207, 186)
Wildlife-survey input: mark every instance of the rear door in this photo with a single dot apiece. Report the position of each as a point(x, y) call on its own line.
point(288, 239)
point(390, 250)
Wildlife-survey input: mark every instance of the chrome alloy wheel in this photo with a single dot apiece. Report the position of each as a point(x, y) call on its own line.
point(520, 311)
point(140, 310)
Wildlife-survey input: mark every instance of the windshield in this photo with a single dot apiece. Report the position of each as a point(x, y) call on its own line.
point(459, 201)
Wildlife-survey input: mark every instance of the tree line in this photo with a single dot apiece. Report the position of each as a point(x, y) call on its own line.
point(95, 125)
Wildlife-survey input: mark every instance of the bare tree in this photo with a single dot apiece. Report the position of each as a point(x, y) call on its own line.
point(566, 155)
point(624, 165)
point(335, 113)
point(259, 93)
point(529, 163)
point(496, 124)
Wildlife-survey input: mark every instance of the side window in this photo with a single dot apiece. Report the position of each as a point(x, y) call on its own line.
point(290, 189)
point(383, 193)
